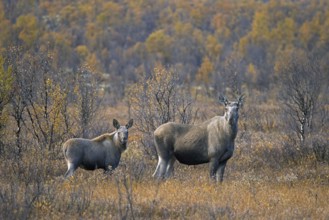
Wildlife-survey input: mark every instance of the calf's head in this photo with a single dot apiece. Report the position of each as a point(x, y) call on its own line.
point(122, 131)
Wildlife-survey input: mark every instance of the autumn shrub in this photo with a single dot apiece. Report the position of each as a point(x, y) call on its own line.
point(320, 148)
point(46, 106)
point(138, 169)
point(259, 116)
point(17, 200)
point(6, 87)
point(24, 181)
point(302, 82)
point(86, 101)
point(158, 99)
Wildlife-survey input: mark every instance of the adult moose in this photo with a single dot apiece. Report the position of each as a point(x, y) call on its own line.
point(209, 142)
point(98, 153)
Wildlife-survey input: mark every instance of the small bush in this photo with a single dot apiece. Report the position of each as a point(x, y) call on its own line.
point(321, 149)
point(156, 100)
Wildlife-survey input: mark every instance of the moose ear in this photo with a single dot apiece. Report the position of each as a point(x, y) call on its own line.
point(223, 100)
point(240, 100)
point(130, 123)
point(116, 124)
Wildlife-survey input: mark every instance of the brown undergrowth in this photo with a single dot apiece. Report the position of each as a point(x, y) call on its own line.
point(269, 177)
point(34, 188)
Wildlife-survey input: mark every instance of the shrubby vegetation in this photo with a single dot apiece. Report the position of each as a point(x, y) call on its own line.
point(156, 100)
point(67, 68)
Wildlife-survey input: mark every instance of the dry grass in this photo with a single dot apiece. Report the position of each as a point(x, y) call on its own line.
point(264, 180)
point(253, 193)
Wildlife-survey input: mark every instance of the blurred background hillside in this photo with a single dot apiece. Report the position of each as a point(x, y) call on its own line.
point(120, 40)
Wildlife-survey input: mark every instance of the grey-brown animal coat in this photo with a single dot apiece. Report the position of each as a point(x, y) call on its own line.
point(211, 141)
point(98, 153)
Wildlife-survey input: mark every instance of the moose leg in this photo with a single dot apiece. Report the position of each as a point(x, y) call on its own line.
point(220, 171)
point(170, 166)
point(227, 155)
point(156, 172)
point(165, 163)
point(70, 170)
point(108, 170)
point(161, 168)
point(222, 164)
point(214, 164)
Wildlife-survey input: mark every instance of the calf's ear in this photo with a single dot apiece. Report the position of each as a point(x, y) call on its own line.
point(116, 124)
point(130, 123)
